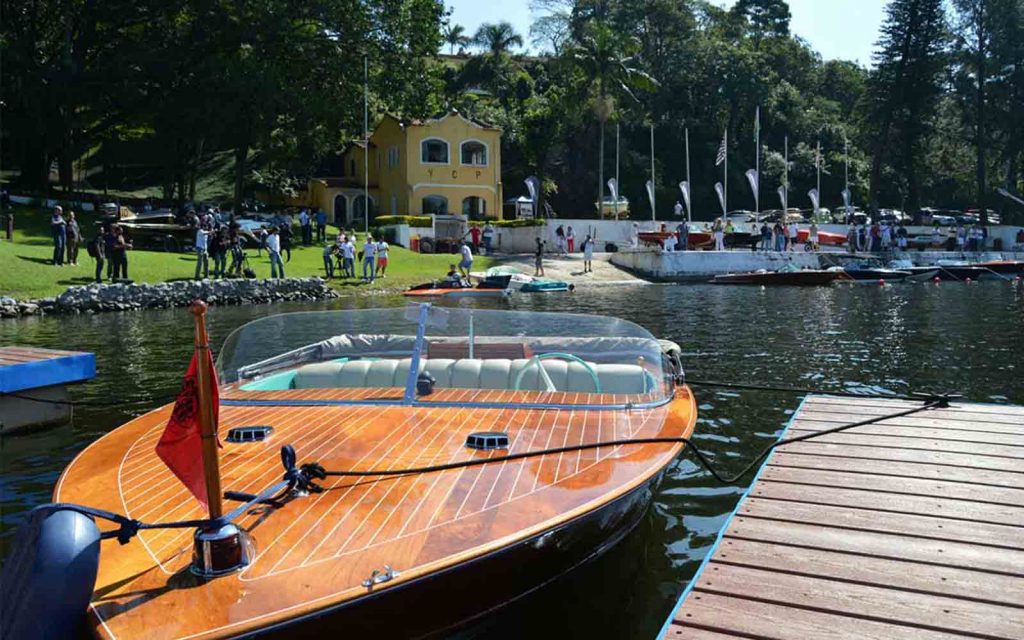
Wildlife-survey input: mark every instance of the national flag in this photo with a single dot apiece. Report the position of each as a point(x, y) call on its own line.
point(180, 446)
point(720, 158)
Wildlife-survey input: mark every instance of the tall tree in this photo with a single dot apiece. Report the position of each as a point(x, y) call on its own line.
point(975, 24)
point(903, 88)
point(607, 58)
point(497, 39)
point(455, 36)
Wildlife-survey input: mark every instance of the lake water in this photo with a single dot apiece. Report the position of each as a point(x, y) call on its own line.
point(903, 338)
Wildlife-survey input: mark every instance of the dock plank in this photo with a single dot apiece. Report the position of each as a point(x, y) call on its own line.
point(912, 527)
point(883, 604)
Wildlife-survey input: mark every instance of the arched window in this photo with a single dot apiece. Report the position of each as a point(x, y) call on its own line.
point(434, 151)
point(340, 216)
point(436, 205)
point(474, 207)
point(474, 153)
point(359, 208)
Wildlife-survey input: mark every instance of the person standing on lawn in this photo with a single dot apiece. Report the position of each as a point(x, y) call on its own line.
point(321, 225)
point(474, 234)
point(202, 251)
point(274, 251)
point(97, 248)
point(307, 228)
point(74, 238)
point(348, 258)
point(285, 236)
point(59, 231)
point(119, 253)
point(369, 254)
point(382, 258)
point(330, 250)
point(488, 235)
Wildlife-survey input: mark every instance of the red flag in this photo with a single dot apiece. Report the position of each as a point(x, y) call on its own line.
point(180, 446)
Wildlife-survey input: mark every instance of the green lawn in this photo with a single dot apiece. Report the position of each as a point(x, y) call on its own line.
point(26, 272)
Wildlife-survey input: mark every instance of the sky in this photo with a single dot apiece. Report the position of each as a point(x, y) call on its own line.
point(843, 29)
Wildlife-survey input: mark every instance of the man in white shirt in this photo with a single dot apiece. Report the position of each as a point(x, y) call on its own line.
point(467, 260)
point(348, 256)
point(307, 228)
point(791, 229)
point(670, 243)
point(274, 251)
point(382, 258)
point(369, 253)
point(202, 256)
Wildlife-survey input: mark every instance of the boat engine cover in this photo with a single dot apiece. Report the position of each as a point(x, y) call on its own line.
point(48, 579)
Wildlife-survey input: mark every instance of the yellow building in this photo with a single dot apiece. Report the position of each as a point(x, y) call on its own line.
point(448, 164)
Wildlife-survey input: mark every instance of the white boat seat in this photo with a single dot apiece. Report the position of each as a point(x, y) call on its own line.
point(472, 373)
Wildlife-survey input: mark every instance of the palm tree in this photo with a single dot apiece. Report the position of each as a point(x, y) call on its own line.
point(455, 36)
point(607, 57)
point(497, 38)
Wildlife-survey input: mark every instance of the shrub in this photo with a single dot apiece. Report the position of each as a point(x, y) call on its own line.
point(412, 221)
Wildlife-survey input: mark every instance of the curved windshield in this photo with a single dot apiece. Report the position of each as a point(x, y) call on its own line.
point(421, 354)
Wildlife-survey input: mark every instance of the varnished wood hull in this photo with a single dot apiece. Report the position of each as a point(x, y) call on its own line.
point(464, 540)
point(448, 600)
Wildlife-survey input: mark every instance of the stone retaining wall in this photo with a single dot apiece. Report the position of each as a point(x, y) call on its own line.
point(95, 298)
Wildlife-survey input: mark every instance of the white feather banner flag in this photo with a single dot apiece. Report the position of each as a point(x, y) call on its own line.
point(813, 195)
point(684, 187)
point(613, 188)
point(721, 196)
point(846, 198)
point(783, 198)
point(532, 186)
point(753, 178)
point(650, 193)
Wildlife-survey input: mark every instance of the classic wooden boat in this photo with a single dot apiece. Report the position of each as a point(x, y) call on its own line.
point(399, 555)
point(871, 275)
point(801, 278)
point(1003, 267)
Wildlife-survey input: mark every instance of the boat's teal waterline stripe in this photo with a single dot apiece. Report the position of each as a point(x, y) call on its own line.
point(398, 402)
point(725, 526)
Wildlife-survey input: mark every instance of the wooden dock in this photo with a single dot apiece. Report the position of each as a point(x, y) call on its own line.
point(909, 528)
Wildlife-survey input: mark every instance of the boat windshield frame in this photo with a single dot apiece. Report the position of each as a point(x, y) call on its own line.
point(591, 346)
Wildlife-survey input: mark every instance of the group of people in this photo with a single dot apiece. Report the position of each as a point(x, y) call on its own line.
point(481, 237)
point(876, 237)
point(217, 240)
point(109, 248)
point(307, 220)
point(67, 235)
point(340, 257)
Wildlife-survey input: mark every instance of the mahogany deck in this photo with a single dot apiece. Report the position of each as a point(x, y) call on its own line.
point(909, 528)
point(316, 550)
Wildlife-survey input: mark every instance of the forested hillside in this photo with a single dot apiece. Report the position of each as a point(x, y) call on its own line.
point(936, 120)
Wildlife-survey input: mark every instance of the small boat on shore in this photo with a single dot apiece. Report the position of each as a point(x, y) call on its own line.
point(797, 278)
point(437, 464)
point(490, 287)
point(525, 283)
point(1003, 267)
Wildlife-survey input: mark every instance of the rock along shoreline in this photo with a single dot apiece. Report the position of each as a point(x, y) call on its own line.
point(118, 296)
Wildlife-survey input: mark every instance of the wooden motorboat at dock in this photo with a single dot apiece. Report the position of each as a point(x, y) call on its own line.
point(484, 426)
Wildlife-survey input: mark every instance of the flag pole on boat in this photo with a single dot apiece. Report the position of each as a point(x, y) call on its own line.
point(207, 419)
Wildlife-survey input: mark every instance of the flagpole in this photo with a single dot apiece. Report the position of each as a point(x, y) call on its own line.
point(757, 161)
point(366, 141)
point(846, 161)
point(818, 162)
point(207, 428)
point(725, 180)
point(616, 195)
point(785, 179)
point(653, 216)
point(689, 185)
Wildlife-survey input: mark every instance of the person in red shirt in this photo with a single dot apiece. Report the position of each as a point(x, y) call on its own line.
point(474, 234)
